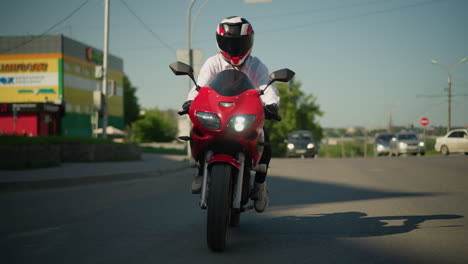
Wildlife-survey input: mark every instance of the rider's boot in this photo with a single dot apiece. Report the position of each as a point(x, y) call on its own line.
point(197, 183)
point(260, 197)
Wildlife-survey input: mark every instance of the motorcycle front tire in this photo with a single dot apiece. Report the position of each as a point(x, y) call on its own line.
point(219, 206)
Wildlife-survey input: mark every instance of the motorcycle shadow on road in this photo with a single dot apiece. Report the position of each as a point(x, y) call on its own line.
point(325, 229)
point(345, 224)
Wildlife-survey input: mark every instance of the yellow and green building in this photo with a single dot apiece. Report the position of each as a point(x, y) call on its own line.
point(48, 86)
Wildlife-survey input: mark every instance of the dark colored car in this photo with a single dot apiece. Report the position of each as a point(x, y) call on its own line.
point(382, 143)
point(301, 143)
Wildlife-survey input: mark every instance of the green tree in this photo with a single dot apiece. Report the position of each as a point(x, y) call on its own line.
point(156, 126)
point(131, 106)
point(299, 112)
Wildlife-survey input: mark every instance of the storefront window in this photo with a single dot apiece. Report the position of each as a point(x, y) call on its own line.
point(78, 68)
point(68, 67)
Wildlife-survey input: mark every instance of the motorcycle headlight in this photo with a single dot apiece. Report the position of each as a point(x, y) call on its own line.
point(310, 146)
point(290, 146)
point(421, 144)
point(208, 120)
point(240, 123)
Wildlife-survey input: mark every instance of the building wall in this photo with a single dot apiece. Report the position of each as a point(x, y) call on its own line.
point(60, 70)
point(79, 82)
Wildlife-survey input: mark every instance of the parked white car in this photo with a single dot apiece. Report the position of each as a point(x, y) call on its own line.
point(454, 141)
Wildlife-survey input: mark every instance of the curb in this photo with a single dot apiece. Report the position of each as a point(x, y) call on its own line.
point(20, 186)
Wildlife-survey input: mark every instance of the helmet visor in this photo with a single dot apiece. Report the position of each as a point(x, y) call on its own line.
point(235, 46)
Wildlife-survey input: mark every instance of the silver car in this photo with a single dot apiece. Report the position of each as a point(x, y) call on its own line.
point(454, 141)
point(406, 143)
point(382, 143)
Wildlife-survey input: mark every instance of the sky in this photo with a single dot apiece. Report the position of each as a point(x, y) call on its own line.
point(363, 60)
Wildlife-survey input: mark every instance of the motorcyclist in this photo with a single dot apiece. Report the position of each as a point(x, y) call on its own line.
point(235, 37)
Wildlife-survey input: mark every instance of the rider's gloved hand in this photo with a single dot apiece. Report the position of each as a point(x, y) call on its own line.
point(185, 107)
point(271, 112)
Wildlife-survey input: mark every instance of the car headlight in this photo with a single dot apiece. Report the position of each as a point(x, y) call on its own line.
point(240, 123)
point(402, 145)
point(421, 144)
point(209, 120)
point(380, 147)
point(290, 146)
point(310, 146)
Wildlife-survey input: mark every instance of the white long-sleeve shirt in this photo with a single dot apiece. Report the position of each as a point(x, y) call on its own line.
point(252, 67)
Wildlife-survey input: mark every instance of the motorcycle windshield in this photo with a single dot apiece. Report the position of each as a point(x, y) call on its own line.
point(231, 83)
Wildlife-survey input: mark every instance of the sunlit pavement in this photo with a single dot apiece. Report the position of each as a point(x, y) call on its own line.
point(375, 210)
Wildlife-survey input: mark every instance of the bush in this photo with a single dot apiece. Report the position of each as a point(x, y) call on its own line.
point(155, 126)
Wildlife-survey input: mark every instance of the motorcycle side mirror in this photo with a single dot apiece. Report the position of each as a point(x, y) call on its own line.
point(283, 75)
point(180, 68)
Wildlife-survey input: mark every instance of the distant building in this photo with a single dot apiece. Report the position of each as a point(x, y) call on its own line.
point(47, 86)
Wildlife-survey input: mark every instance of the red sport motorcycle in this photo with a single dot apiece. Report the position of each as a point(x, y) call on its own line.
point(227, 141)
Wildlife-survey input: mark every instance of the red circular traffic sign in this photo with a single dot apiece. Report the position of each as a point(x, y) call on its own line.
point(424, 121)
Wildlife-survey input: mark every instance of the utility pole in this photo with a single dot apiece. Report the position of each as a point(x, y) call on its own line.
point(449, 118)
point(449, 83)
point(104, 68)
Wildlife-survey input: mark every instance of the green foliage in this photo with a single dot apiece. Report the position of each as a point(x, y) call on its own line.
point(298, 111)
point(156, 126)
point(131, 106)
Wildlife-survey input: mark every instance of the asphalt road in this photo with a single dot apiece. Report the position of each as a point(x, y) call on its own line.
point(375, 210)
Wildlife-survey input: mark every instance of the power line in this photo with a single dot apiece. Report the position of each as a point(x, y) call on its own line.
point(49, 29)
point(147, 27)
point(322, 10)
point(437, 95)
point(389, 10)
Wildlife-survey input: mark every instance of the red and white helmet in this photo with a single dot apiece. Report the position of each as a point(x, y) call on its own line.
point(235, 37)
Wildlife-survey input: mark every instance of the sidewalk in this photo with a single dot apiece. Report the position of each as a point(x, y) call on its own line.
point(69, 174)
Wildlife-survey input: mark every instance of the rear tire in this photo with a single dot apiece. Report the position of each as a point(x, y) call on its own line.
point(444, 150)
point(219, 206)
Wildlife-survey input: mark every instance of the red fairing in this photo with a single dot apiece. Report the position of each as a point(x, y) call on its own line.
point(248, 102)
point(224, 158)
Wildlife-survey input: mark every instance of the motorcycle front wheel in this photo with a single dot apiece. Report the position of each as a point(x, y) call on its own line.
point(219, 206)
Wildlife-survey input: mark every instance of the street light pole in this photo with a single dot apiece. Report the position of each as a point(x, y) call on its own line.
point(449, 68)
point(189, 34)
point(104, 68)
point(190, 54)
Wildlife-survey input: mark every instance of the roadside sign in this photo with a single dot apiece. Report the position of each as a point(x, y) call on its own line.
point(424, 121)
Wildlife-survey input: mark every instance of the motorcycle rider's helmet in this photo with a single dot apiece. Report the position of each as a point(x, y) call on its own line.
point(235, 37)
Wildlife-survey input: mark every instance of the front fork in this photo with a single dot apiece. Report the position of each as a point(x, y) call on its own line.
point(239, 164)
